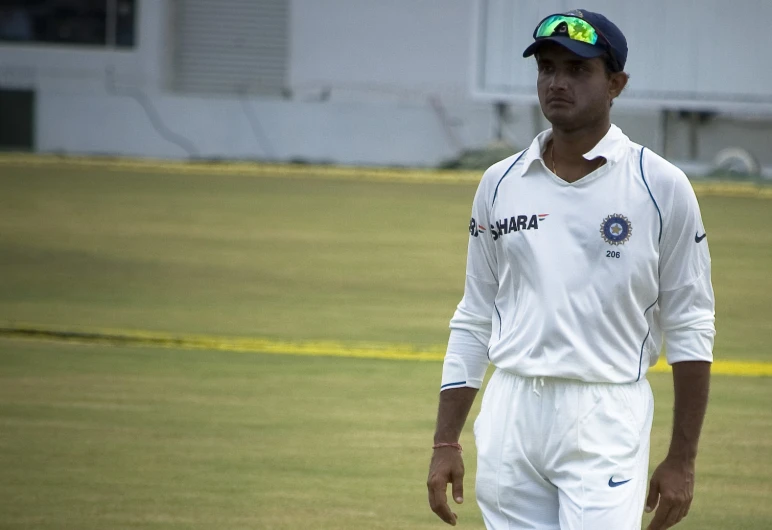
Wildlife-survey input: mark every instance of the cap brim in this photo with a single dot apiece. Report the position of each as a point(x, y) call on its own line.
point(582, 49)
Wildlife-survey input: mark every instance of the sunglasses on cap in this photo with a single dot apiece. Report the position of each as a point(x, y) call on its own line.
point(574, 28)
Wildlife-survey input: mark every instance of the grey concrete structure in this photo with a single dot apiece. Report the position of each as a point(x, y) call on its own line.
point(383, 83)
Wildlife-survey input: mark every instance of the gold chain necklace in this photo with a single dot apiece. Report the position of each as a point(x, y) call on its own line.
point(552, 157)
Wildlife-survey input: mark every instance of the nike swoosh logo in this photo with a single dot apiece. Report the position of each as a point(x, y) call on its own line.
point(612, 484)
point(698, 238)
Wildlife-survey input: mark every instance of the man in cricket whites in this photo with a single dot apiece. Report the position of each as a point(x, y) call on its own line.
point(587, 254)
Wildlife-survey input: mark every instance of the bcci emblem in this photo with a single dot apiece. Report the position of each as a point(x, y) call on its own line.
point(616, 229)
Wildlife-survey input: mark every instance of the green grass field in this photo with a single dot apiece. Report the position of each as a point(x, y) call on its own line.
point(100, 436)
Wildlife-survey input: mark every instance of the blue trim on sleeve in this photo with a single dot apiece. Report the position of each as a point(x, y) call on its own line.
point(648, 332)
point(659, 238)
point(504, 175)
point(640, 360)
point(452, 384)
point(499, 314)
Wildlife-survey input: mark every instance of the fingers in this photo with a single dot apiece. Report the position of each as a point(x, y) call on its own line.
point(672, 487)
point(673, 516)
point(665, 516)
point(653, 502)
point(446, 466)
point(653, 498)
point(458, 488)
point(438, 501)
point(686, 508)
point(669, 513)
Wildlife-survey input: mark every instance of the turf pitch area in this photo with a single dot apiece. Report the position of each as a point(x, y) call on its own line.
point(97, 436)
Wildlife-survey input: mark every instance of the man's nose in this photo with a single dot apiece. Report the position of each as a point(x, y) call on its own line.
point(559, 80)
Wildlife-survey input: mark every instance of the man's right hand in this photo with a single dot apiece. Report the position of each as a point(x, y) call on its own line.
point(446, 466)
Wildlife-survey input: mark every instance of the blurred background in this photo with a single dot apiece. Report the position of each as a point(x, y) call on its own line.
point(367, 82)
point(228, 257)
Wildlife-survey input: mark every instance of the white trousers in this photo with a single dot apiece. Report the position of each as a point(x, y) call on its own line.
point(555, 454)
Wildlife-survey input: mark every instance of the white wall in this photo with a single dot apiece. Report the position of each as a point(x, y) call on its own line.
point(385, 83)
point(383, 48)
point(687, 52)
point(395, 75)
point(355, 133)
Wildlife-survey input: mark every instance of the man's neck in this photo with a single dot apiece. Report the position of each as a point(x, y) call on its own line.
point(567, 150)
point(571, 145)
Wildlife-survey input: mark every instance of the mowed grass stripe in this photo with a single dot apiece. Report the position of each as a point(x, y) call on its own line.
point(255, 169)
point(385, 351)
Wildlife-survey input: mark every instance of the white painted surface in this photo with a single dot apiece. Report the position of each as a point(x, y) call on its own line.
point(358, 133)
point(397, 47)
point(679, 50)
point(382, 83)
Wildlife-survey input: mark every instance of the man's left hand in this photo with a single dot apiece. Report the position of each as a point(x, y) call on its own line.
point(672, 484)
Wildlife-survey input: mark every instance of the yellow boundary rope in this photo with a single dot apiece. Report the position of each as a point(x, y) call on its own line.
point(252, 169)
point(280, 347)
point(313, 348)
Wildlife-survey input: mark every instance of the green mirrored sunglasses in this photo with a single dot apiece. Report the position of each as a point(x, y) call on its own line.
point(573, 27)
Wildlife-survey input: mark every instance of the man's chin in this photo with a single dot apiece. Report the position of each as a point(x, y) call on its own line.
point(563, 119)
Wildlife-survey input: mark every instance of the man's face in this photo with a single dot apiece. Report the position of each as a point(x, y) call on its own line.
point(573, 92)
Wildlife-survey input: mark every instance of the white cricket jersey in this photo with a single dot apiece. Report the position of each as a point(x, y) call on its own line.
point(582, 280)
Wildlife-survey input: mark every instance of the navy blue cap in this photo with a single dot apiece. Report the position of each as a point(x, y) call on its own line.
point(611, 41)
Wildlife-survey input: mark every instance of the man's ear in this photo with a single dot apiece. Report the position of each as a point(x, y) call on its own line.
point(617, 83)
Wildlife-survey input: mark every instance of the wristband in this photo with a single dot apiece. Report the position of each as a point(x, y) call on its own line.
point(448, 444)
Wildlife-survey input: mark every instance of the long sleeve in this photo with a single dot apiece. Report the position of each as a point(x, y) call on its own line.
point(466, 358)
point(687, 307)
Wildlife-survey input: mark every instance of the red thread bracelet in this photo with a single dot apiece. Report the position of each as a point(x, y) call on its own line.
point(447, 444)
